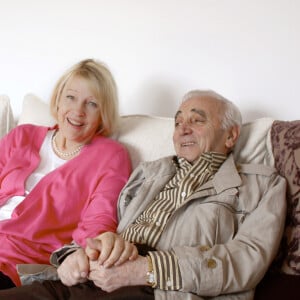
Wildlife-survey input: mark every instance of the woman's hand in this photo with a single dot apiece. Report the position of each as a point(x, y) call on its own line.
point(110, 249)
point(74, 269)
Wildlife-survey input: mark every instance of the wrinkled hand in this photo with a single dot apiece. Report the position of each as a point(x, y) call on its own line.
point(74, 269)
point(127, 274)
point(110, 249)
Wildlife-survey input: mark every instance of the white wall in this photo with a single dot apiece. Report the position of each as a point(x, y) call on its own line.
point(247, 50)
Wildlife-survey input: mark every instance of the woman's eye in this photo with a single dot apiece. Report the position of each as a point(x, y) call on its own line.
point(92, 104)
point(71, 97)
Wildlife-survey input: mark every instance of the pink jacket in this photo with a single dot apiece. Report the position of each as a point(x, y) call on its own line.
point(75, 201)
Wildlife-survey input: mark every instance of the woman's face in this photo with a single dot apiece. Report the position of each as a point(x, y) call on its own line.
point(78, 111)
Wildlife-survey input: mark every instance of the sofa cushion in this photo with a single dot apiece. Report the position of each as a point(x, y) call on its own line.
point(35, 111)
point(6, 116)
point(254, 144)
point(281, 281)
point(285, 138)
point(146, 137)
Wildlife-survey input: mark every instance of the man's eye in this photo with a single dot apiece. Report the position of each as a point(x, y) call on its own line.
point(177, 123)
point(197, 121)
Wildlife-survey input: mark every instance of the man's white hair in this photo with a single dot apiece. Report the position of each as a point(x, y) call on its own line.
point(232, 115)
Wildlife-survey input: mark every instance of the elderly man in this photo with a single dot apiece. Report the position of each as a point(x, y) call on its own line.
point(204, 225)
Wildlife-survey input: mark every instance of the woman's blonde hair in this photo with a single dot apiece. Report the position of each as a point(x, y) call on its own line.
point(104, 89)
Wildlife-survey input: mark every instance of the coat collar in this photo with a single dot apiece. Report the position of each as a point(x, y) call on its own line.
point(226, 177)
point(157, 173)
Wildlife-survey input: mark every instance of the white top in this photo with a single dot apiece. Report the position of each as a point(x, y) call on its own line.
point(49, 162)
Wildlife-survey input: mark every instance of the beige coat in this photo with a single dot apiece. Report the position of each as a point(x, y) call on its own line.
point(225, 235)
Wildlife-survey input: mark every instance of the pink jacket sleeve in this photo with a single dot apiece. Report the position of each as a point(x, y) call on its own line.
point(101, 213)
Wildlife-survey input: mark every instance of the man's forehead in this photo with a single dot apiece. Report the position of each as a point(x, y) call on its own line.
point(200, 99)
point(196, 104)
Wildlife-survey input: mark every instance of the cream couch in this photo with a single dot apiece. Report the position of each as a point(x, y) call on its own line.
point(150, 137)
point(6, 115)
point(262, 141)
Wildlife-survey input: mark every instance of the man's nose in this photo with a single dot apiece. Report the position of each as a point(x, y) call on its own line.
point(186, 127)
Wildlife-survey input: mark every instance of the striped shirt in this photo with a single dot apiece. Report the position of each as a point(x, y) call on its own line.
point(150, 224)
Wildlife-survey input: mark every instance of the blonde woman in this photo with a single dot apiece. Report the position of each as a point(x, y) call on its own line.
point(61, 184)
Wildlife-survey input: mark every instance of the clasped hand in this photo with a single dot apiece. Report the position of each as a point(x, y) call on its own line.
point(108, 260)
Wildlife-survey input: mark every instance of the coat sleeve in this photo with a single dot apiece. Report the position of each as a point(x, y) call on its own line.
point(101, 213)
point(239, 264)
point(134, 183)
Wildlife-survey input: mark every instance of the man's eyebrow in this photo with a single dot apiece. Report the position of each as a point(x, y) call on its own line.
point(199, 112)
point(177, 113)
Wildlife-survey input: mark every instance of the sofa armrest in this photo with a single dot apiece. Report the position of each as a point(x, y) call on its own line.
point(6, 116)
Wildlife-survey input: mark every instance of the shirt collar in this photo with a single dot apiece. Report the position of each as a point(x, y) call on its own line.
point(215, 159)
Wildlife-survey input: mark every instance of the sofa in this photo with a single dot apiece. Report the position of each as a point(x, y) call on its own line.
point(264, 140)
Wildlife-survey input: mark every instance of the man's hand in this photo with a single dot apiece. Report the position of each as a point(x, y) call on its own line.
point(106, 250)
point(74, 269)
point(127, 274)
point(110, 249)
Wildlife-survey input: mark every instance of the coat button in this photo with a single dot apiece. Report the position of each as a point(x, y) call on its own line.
point(211, 263)
point(169, 283)
point(204, 248)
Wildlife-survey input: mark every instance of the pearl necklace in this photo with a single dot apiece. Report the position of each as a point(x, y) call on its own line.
point(64, 154)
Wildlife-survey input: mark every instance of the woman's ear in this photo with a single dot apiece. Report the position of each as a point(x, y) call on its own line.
point(232, 137)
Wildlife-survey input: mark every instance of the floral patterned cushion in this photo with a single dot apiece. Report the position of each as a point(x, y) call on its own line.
point(285, 137)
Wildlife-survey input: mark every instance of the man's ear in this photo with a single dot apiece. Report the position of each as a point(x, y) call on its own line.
point(233, 135)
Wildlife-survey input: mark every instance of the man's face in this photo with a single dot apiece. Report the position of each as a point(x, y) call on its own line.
point(198, 128)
